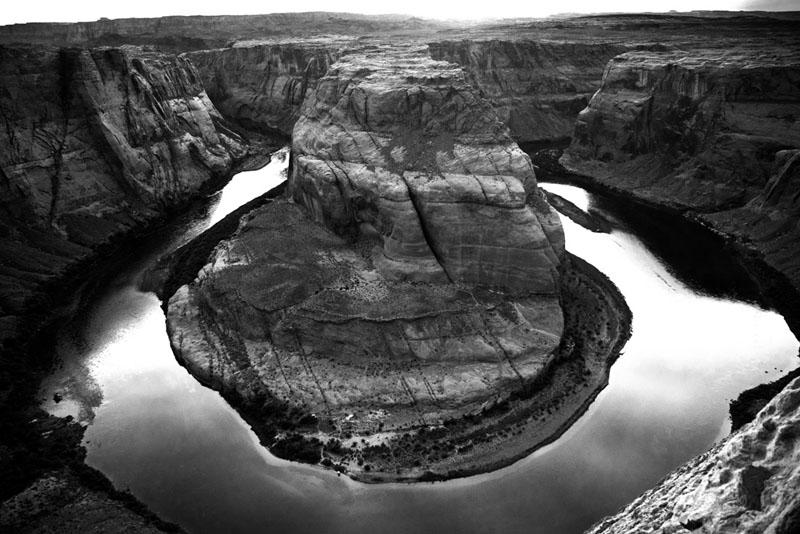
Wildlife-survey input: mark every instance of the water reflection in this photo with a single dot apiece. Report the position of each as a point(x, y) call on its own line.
point(184, 452)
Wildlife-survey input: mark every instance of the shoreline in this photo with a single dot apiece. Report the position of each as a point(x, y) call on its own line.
point(505, 430)
point(36, 445)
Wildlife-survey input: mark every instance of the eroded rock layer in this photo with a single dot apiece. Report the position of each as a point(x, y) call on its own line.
point(406, 283)
point(536, 88)
point(714, 131)
point(262, 86)
point(94, 143)
point(748, 483)
point(402, 148)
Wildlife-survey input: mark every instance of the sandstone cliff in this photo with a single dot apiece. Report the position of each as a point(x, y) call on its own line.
point(182, 33)
point(711, 131)
point(536, 88)
point(747, 483)
point(262, 86)
point(700, 128)
point(403, 147)
point(94, 143)
point(409, 282)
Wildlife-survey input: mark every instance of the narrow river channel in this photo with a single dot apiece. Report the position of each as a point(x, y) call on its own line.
point(187, 455)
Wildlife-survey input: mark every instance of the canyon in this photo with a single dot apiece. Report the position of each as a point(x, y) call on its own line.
point(413, 228)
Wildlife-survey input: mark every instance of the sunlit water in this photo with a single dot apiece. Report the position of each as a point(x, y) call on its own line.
point(187, 455)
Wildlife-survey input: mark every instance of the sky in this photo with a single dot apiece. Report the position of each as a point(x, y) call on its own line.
point(77, 10)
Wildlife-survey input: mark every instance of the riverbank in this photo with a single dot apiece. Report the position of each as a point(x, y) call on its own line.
point(597, 326)
point(505, 428)
point(37, 447)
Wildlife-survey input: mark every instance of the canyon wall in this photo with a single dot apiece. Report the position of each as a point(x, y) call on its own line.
point(182, 33)
point(94, 143)
point(416, 275)
point(536, 88)
point(711, 131)
point(405, 146)
point(262, 86)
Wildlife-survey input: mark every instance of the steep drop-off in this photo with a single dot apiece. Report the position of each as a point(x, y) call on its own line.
point(712, 131)
point(94, 143)
point(262, 86)
point(408, 284)
point(747, 483)
point(536, 88)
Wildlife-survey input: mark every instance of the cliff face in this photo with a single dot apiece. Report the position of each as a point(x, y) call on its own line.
point(262, 86)
point(409, 279)
point(182, 33)
point(403, 147)
point(713, 131)
point(536, 88)
point(701, 128)
point(748, 483)
point(93, 144)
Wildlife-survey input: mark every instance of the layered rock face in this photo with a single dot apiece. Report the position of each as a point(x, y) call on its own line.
point(402, 147)
point(748, 483)
point(713, 131)
point(182, 33)
point(262, 86)
point(701, 128)
point(536, 88)
point(94, 143)
point(408, 276)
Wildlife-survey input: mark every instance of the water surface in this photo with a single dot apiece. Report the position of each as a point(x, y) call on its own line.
point(186, 454)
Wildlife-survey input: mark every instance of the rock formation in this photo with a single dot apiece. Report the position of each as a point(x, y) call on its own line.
point(94, 143)
point(699, 128)
point(262, 86)
point(409, 278)
point(537, 88)
point(183, 33)
point(747, 483)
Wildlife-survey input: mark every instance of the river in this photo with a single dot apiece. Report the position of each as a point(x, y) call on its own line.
point(180, 449)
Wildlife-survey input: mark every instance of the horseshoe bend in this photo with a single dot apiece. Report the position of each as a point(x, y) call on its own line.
point(395, 297)
point(407, 294)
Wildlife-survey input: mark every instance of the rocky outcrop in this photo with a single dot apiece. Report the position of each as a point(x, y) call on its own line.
point(700, 129)
point(94, 143)
point(747, 483)
point(262, 86)
point(715, 132)
point(536, 88)
point(409, 283)
point(401, 147)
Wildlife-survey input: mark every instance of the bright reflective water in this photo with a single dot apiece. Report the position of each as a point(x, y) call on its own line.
point(187, 455)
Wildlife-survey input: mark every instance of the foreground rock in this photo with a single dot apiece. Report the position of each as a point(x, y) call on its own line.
point(748, 483)
point(94, 144)
point(407, 286)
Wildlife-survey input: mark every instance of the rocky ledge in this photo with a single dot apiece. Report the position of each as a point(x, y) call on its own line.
point(712, 132)
point(94, 144)
point(747, 483)
point(412, 281)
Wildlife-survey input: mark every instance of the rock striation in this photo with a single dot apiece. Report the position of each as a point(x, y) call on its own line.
point(747, 483)
point(402, 147)
point(712, 131)
point(94, 143)
point(183, 33)
point(262, 86)
point(537, 88)
point(700, 128)
point(407, 283)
